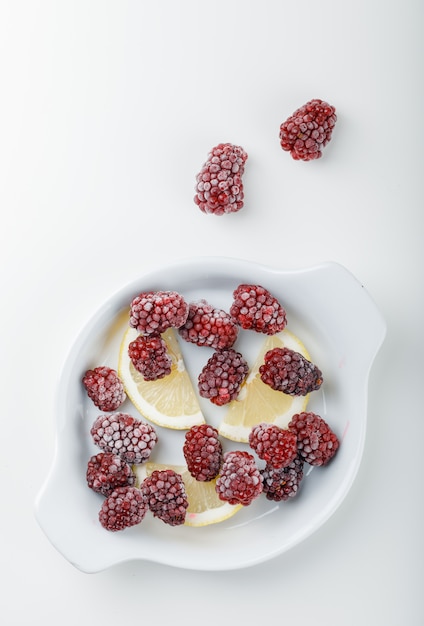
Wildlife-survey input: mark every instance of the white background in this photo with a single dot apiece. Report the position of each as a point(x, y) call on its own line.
point(107, 111)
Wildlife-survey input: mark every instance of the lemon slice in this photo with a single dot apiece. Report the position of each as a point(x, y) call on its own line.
point(170, 401)
point(258, 402)
point(204, 505)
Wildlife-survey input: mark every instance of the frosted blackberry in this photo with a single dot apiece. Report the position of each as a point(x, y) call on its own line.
point(219, 185)
point(209, 326)
point(104, 388)
point(316, 442)
point(107, 471)
point(150, 357)
point(124, 507)
point(276, 446)
point(288, 371)
point(166, 497)
point(124, 435)
point(221, 378)
point(305, 133)
point(240, 481)
point(255, 308)
point(153, 312)
point(203, 452)
point(283, 483)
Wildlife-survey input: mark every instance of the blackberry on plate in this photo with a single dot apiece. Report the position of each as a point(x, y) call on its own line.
point(124, 435)
point(104, 388)
point(123, 508)
point(239, 481)
point(166, 497)
point(203, 452)
point(274, 445)
point(153, 312)
point(219, 185)
point(107, 471)
point(255, 308)
point(316, 442)
point(150, 357)
point(221, 378)
point(288, 371)
point(305, 133)
point(282, 483)
point(209, 326)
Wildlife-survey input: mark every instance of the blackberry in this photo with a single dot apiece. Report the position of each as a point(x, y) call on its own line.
point(316, 442)
point(239, 481)
point(150, 357)
point(276, 446)
point(107, 471)
point(166, 497)
point(288, 371)
point(104, 388)
point(203, 452)
point(255, 308)
point(209, 326)
point(152, 312)
point(124, 507)
point(308, 130)
point(221, 378)
point(124, 435)
point(219, 186)
point(282, 483)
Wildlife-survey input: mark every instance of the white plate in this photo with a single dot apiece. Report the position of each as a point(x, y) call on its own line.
point(343, 331)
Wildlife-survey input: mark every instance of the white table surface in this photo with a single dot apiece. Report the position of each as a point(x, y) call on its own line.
point(107, 110)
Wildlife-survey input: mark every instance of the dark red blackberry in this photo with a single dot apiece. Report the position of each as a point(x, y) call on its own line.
point(283, 483)
point(104, 388)
point(222, 376)
point(240, 480)
point(288, 371)
point(124, 435)
point(150, 357)
point(166, 497)
point(124, 507)
point(316, 442)
point(255, 308)
point(208, 326)
point(152, 312)
point(276, 446)
point(219, 186)
point(203, 452)
point(308, 130)
point(107, 471)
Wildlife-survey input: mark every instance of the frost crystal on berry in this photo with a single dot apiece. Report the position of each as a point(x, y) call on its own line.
point(219, 186)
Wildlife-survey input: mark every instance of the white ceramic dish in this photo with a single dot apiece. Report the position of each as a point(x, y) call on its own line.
point(343, 331)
